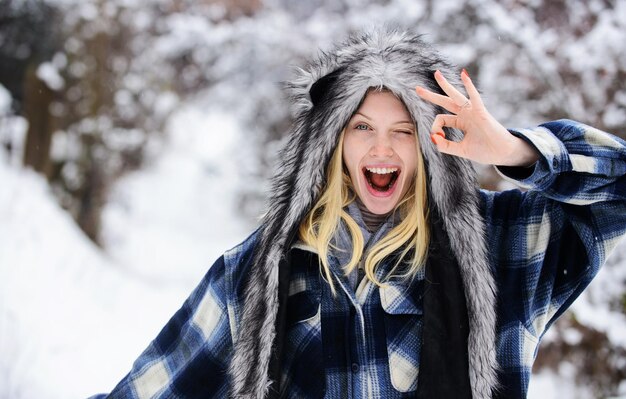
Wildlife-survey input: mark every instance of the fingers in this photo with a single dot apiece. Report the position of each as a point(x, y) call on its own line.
point(474, 96)
point(444, 120)
point(438, 99)
point(455, 101)
point(456, 96)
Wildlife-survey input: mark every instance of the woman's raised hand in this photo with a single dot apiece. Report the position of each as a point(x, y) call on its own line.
point(485, 140)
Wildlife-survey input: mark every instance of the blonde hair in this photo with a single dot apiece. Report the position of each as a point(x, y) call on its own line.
point(411, 234)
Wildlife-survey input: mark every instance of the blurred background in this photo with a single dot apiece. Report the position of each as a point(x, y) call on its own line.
point(137, 137)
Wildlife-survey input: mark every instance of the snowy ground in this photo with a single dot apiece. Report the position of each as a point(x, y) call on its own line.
point(73, 317)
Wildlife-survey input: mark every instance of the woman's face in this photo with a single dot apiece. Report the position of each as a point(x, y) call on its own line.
point(379, 151)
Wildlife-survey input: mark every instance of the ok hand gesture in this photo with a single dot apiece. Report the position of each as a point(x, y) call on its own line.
point(485, 140)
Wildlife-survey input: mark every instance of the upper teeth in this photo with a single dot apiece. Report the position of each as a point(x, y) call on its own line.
point(382, 171)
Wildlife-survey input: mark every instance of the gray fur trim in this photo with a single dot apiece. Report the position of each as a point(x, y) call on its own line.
point(399, 61)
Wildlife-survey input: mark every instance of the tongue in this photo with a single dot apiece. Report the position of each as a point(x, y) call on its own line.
point(380, 182)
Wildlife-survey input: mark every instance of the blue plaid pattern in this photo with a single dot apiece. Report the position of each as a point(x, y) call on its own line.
point(545, 246)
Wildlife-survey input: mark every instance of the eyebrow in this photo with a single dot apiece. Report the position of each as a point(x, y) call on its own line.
point(396, 123)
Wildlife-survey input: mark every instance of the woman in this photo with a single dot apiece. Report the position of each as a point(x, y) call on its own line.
point(380, 269)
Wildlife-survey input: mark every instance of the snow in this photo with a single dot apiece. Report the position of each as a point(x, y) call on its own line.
point(5, 100)
point(59, 294)
point(12, 128)
point(163, 228)
point(551, 385)
point(183, 207)
point(49, 74)
point(74, 316)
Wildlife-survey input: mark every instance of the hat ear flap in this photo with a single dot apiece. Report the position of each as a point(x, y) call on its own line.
point(319, 91)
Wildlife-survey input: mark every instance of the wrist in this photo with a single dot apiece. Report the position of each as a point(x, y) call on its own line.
point(521, 153)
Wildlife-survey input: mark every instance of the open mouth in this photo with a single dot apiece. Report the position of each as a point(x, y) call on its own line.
point(381, 179)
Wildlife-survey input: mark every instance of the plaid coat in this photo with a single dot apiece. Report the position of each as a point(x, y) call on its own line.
point(545, 245)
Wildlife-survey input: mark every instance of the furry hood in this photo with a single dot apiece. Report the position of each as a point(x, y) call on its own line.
point(324, 95)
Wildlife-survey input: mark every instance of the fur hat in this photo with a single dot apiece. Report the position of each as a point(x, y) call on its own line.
point(324, 95)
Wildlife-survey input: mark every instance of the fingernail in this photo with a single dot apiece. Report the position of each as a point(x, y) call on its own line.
point(432, 138)
point(437, 73)
point(441, 134)
point(465, 72)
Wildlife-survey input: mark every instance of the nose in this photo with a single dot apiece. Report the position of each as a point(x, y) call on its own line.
point(381, 147)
